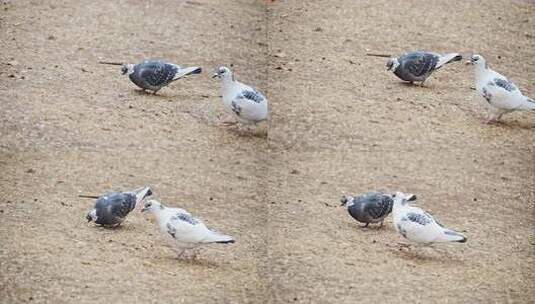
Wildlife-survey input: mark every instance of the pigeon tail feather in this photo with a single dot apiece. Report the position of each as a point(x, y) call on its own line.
point(452, 236)
point(528, 104)
point(220, 238)
point(447, 58)
point(187, 71)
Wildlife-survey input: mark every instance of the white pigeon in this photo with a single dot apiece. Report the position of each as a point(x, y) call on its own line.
point(501, 94)
point(419, 226)
point(182, 229)
point(245, 102)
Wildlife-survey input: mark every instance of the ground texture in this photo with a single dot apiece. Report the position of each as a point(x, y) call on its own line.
point(340, 124)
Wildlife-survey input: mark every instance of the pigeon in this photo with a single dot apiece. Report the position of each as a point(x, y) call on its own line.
point(152, 75)
point(419, 226)
point(182, 229)
point(501, 94)
point(417, 66)
point(371, 207)
point(112, 208)
point(246, 103)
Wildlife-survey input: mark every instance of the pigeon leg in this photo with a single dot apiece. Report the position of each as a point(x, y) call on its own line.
point(195, 254)
point(404, 245)
point(181, 253)
point(422, 83)
point(381, 226)
point(366, 226)
point(228, 123)
point(490, 119)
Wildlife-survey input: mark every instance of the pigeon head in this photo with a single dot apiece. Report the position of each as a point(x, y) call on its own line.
point(91, 216)
point(477, 59)
point(127, 68)
point(392, 64)
point(224, 73)
point(403, 198)
point(346, 201)
point(152, 206)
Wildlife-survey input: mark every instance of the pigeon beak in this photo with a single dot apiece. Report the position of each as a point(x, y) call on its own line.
point(469, 62)
point(343, 201)
point(144, 209)
point(411, 197)
point(215, 75)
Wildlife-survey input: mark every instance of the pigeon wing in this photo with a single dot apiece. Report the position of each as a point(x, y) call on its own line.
point(501, 93)
point(157, 73)
point(185, 228)
point(421, 63)
point(380, 207)
point(112, 208)
point(249, 104)
point(417, 226)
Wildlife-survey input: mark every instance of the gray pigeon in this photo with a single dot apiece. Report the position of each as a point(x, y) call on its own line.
point(112, 208)
point(417, 66)
point(371, 207)
point(152, 75)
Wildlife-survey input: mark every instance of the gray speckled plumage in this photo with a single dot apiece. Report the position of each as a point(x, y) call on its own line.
point(252, 95)
point(153, 74)
point(112, 208)
point(422, 219)
point(418, 66)
point(372, 207)
point(505, 84)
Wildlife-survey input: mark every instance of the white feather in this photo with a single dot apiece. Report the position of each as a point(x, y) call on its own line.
point(430, 232)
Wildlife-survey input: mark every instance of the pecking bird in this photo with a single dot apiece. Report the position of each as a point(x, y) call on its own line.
point(182, 229)
point(418, 66)
point(152, 75)
point(371, 207)
point(112, 208)
point(501, 94)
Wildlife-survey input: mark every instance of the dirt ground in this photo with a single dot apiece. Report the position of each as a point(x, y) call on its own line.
point(340, 124)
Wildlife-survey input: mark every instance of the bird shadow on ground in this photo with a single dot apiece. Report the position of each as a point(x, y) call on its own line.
point(423, 254)
point(405, 84)
point(246, 131)
point(192, 261)
point(111, 231)
point(515, 125)
point(158, 95)
point(372, 228)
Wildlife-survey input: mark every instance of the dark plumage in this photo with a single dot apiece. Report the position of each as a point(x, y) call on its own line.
point(154, 75)
point(505, 84)
point(372, 207)
point(422, 219)
point(112, 208)
point(254, 96)
point(418, 66)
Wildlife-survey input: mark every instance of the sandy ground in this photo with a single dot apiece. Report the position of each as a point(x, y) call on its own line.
point(340, 124)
